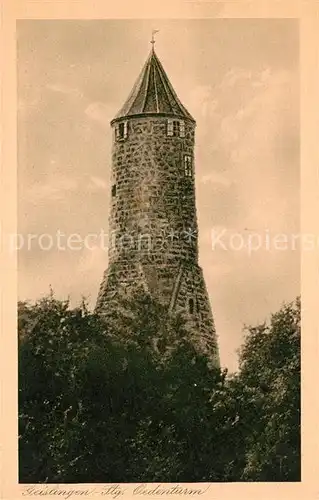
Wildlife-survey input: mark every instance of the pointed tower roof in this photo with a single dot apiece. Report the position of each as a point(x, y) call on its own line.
point(153, 94)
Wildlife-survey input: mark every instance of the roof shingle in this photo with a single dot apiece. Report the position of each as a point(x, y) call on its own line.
point(153, 94)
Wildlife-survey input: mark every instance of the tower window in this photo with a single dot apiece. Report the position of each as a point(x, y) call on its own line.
point(121, 131)
point(191, 306)
point(144, 242)
point(114, 190)
point(182, 129)
point(170, 127)
point(188, 166)
point(176, 128)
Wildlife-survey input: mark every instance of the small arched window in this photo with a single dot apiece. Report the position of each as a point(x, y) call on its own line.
point(121, 131)
point(191, 306)
point(188, 166)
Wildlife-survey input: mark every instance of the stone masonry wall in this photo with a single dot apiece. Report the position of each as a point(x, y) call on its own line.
point(200, 321)
point(171, 284)
point(153, 211)
point(153, 227)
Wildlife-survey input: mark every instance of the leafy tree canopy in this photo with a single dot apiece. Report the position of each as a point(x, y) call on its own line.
point(128, 398)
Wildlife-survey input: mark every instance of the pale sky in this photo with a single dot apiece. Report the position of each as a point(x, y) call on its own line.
point(238, 78)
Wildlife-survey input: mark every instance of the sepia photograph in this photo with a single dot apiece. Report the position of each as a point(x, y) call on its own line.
point(158, 244)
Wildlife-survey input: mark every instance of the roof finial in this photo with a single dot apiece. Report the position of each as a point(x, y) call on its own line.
point(153, 39)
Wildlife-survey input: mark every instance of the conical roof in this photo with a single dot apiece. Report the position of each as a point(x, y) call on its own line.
point(153, 94)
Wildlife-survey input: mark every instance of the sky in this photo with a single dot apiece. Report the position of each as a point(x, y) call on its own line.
point(239, 78)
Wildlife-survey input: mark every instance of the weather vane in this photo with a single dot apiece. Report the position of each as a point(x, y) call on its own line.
point(153, 39)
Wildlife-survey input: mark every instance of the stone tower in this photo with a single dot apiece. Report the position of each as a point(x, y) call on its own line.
point(153, 240)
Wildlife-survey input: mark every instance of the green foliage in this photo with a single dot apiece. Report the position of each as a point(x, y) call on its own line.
point(127, 398)
point(270, 369)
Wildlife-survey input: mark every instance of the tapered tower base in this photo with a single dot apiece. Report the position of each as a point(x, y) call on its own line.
point(181, 288)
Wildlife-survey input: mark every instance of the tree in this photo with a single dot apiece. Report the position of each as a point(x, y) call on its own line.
point(108, 400)
point(56, 344)
point(127, 398)
point(270, 372)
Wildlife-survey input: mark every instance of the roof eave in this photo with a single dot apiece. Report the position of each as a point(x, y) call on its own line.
point(153, 115)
